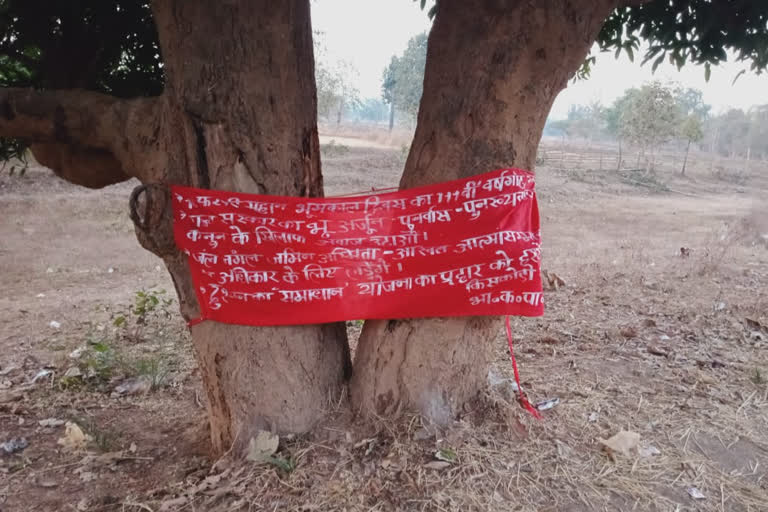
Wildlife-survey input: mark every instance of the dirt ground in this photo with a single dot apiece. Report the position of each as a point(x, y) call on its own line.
point(660, 329)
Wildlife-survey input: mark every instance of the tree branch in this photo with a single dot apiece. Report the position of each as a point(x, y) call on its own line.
point(88, 138)
point(65, 117)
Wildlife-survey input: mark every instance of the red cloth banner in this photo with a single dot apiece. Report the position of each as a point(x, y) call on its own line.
point(465, 247)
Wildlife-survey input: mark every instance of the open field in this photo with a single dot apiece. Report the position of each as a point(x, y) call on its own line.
point(643, 337)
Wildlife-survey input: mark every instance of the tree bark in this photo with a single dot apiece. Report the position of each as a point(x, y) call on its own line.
point(391, 115)
point(238, 113)
point(242, 103)
point(85, 137)
point(493, 70)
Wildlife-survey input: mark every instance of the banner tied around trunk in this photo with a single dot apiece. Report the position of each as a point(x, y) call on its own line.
point(465, 247)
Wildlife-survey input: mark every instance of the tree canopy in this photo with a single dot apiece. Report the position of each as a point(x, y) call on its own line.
point(112, 47)
point(691, 31)
point(109, 47)
point(403, 78)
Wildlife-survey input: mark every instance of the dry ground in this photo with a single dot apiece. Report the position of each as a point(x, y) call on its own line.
point(640, 338)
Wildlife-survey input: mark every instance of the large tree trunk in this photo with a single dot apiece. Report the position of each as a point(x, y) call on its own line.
point(242, 116)
point(494, 67)
point(238, 113)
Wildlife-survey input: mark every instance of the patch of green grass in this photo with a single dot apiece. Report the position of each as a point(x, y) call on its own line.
point(332, 148)
point(156, 369)
point(643, 178)
point(286, 464)
point(110, 355)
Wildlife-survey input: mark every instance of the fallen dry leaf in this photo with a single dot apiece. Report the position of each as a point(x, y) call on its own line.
point(754, 324)
point(172, 504)
point(624, 442)
point(50, 422)
point(262, 447)
point(74, 438)
point(657, 351)
point(647, 451)
point(437, 465)
point(553, 281)
point(628, 332)
point(87, 476)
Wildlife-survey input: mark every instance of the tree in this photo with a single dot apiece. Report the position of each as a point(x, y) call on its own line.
point(336, 89)
point(758, 131)
point(388, 89)
point(650, 116)
point(371, 109)
point(693, 112)
point(586, 121)
point(237, 111)
point(690, 102)
point(612, 117)
point(733, 132)
point(403, 78)
point(692, 131)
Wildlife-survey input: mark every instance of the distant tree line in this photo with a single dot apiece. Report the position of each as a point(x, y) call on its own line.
point(655, 114)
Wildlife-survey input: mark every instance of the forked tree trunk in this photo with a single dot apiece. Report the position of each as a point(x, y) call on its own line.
point(493, 70)
point(241, 115)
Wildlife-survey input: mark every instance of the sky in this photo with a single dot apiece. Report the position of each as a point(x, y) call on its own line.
point(369, 32)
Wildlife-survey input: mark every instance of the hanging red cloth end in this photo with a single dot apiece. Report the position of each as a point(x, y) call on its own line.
point(195, 321)
point(522, 398)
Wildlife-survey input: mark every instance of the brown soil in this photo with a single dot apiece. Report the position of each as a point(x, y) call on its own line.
point(640, 338)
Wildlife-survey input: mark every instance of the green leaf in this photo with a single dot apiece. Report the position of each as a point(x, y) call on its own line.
point(738, 75)
point(286, 464)
point(657, 62)
point(446, 454)
point(707, 71)
point(618, 52)
point(631, 54)
point(119, 321)
point(100, 347)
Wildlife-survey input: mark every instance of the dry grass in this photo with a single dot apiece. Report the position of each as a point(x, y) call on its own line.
point(629, 296)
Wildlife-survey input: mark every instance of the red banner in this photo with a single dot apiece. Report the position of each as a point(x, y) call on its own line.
point(466, 247)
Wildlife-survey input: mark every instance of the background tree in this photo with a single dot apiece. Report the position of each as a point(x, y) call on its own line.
point(388, 89)
point(585, 121)
point(693, 114)
point(612, 118)
point(336, 82)
point(758, 130)
point(733, 127)
point(690, 102)
point(404, 76)
point(238, 112)
point(650, 117)
point(691, 130)
point(371, 109)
